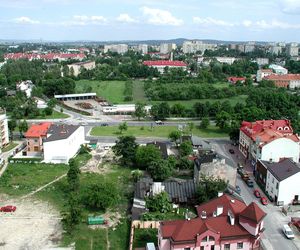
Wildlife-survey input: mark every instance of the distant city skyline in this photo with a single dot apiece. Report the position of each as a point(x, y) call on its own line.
point(97, 20)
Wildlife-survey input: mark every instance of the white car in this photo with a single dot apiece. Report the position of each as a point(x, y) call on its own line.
point(288, 232)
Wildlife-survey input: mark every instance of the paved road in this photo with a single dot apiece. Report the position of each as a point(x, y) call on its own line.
point(274, 219)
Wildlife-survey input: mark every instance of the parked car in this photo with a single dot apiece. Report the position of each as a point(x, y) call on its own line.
point(296, 222)
point(104, 124)
point(250, 183)
point(264, 201)
point(288, 232)
point(256, 193)
point(231, 151)
point(238, 189)
point(159, 123)
point(8, 208)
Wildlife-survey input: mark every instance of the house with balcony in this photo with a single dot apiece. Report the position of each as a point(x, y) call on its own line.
point(267, 139)
point(222, 223)
point(280, 180)
point(34, 139)
point(4, 133)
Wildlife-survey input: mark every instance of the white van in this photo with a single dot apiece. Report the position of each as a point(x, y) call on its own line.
point(288, 232)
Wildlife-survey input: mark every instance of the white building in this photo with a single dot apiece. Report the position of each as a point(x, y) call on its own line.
point(160, 65)
point(40, 103)
point(119, 48)
point(249, 47)
point(196, 46)
point(262, 73)
point(62, 143)
point(292, 49)
point(89, 65)
point(275, 48)
point(279, 70)
point(4, 135)
point(143, 48)
point(262, 61)
point(122, 109)
point(166, 48)
point(26, 87)
point(227, 60)
point(282, 181)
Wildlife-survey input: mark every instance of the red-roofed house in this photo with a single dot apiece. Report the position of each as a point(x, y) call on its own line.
point(269, 139)
point(160, 65)
point(46, 57)
point(286, 81)
point(262, 73)
point(234, 80)
point(34, 138)
point(223, 223)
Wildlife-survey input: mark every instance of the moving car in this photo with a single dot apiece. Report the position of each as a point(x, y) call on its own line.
point(8, 208)
point(231, 151)
point(104, 124)
point(250, 183)
point(288, 232)
point(264, 201)
point(159, 123)
point(256, 193)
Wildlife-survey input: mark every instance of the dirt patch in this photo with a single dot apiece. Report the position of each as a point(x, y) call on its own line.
point(113, 219)
point(34, 225)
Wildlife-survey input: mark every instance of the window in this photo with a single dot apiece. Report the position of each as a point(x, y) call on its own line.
point(273, 180)
point(240, 245)
point(202, 248)
point(35, 140)
point(227, 247)
point(36, 148)
point(210, 238)
point(212, 247)
point(205, 239)
point(187, 248)
point(277, 185)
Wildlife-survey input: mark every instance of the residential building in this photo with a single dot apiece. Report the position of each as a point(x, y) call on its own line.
point(89, 65)
point(234, 79)
point(143, 48)
point(212, 164)
point(275, 48)
point(255, 134)
point(40, 103)
point(26, 87)
point(46, 57)
point(280, 180)
point(292, 49)
point(249, 47)
point(4, 133)
point(118, 48)
point(279, 70)
point(62, 142)
point(166, 48)
point(291, 81)
point(161, 65)
point(164, 148)
point(34, 138)
point(200, 145)
point(227, 60)
point(197, 46)
point(262, 73)
point(223, 223)
point(262, 61)
point(241, 47)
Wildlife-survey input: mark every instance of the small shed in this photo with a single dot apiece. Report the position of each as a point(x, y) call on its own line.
point(95, 220)
point(93, 144)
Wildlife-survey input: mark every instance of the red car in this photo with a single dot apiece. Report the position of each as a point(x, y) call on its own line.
point(8, 209)
point(256, 193)
point(264, 200)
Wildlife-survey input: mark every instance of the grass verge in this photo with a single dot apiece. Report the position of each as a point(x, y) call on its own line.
point(143, 236)
point(9, 147)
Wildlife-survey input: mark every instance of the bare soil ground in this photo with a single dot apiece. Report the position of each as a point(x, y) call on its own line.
point(34, 225)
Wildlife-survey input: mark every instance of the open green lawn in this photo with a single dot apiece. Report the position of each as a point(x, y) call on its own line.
point(157, 131)
point(143, 236)
point(55, 115)
point(9, 147)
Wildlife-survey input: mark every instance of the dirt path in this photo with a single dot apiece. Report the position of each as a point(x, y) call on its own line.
point(107, 240)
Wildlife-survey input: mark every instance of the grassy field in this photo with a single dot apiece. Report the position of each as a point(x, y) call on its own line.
point(157, 131)
point(55, 115)
point(10, 146)
point(143, 236)
point(113, 92)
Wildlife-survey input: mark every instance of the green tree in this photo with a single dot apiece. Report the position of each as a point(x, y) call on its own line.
point(161, 169)
point(126, 148)
point(100, 195)
point(12, 124)
point(204, 123)
point(147, 154)
point(174, 136)
point(223, 119)
point(191, 127)
point(159, 203)
point(74, 212)
point(23, 127)
point(209, 187)
point(73, 176)
point(140, 111)
point(136, 174)
point(123, 127)
point(185, 148)
point(48, 111)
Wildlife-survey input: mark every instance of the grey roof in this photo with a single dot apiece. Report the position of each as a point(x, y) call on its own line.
point(181, 190)
point(60, 132)
point(142, 187)
point(162, 146)
point(206, 158)
point(196, 141)
point(283, 169)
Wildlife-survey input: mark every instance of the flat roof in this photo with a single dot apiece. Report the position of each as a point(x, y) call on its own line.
point(75, 95)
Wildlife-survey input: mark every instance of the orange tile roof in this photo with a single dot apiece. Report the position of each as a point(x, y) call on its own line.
point(253, 212)
point(287, 77)
point(38, 130)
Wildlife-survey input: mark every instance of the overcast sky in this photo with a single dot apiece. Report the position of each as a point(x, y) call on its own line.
point(239, 20)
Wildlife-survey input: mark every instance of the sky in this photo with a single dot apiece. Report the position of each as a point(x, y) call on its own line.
point(98, 20)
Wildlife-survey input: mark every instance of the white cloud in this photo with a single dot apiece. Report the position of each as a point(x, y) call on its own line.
point(25, 20)
point(86, 20)
point(125, 18)
point(160, 17)
point(290, 6)
point(247, 23)
point(274, 24)
point(211, 21)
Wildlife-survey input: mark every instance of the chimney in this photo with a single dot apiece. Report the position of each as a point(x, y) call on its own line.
point(203, 215)
point(231, 218)
point(220, 194)
point(219, 210)
point(270, 160)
